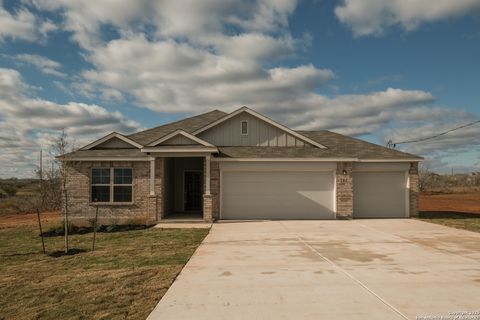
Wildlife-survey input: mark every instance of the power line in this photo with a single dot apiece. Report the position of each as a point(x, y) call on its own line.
point(392, 144)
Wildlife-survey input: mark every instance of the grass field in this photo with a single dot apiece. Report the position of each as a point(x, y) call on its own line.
point(459, 220)
point(123, 279)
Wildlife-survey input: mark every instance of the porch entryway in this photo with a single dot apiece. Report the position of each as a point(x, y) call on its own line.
point(184, 188)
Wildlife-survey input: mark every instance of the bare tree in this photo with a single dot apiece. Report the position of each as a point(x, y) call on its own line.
point(61, 146)
point(424, 175)
point(49, 190)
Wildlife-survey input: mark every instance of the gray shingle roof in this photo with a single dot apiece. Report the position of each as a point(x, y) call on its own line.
point(345, 146)
point(189, 125)
point(338, 146)
point(108, 153)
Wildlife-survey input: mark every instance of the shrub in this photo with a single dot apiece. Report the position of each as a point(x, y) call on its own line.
point(10, 190)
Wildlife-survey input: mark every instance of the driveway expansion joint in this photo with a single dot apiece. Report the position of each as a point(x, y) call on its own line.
point(348, 274)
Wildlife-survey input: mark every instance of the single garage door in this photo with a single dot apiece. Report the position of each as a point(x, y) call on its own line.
point(277, 195)
point(379, 194)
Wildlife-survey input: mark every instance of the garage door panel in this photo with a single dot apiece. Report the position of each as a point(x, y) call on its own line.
point(379, 194)
point(277, 195)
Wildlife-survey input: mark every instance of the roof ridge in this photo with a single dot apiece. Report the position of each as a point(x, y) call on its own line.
point(177, 121)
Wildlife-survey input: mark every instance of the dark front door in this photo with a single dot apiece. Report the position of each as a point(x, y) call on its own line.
point(193, 191)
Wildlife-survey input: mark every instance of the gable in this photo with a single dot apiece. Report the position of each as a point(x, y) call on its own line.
point(114, 143)
point(191, 124)
point(179, 137)
point(260, 133)
point(179, 140)
point(113, 140)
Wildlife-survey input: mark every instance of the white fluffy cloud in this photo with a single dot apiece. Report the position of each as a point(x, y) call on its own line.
point(372, 17)
point(28, 123)
point(457, 141)
point(23, 24)
point(191, 56)
point(44, 64)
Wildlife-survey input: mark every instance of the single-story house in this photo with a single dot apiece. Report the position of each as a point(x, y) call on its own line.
point(239, 165)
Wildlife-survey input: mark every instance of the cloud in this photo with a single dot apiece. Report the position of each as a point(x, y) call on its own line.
point(23, 24)
point(187, 57)
point(44, 64)
point(462, 140)
point(373, 17)
point(29, 123)
point(169, 76)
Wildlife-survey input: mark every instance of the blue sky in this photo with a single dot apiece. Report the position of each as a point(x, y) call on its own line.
point(378, 70)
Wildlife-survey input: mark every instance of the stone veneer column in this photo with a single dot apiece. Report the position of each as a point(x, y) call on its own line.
point(413, 188)
point(207, 208)
point(159, 188)
point(344, 195)
point(215, 188)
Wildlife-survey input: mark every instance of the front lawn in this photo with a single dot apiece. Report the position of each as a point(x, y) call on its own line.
point(123, 279)
point(459, 220)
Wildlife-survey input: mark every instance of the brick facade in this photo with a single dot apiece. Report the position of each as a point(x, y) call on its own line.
point(207, 208)
point(211, 201)
point(143, 210)
point(148, 208)
point(414, 188)
point(344, 195)
point(159, 189)
point(215, 188)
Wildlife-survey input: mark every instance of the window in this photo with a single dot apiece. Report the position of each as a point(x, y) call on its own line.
point(244, 127)
point(111, 185)
point(100, 185)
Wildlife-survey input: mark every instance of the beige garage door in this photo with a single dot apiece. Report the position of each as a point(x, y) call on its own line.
point(379, 195)
point(277, 195)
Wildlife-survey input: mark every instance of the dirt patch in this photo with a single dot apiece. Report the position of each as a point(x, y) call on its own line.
point(467, 202)
point(20, 219)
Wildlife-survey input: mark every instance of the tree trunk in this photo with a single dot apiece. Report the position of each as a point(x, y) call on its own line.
point(66, 220)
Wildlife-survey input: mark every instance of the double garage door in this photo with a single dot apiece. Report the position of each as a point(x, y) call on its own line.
point(281, 191)
point(277, 191)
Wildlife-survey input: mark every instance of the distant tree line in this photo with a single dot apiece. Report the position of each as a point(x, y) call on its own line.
point(431, 181)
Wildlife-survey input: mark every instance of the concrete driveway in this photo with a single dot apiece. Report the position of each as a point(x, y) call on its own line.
point(360, 269)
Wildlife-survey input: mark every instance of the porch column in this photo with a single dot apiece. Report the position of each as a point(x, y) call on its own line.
point(152, 176)
point(207, 197)
point(207, 175)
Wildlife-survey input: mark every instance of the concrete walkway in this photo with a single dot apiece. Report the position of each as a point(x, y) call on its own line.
point(360, 269)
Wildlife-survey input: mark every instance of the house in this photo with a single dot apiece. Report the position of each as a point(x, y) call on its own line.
point(239, 165)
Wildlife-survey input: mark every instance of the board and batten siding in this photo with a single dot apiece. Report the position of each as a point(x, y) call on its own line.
point(260, 134)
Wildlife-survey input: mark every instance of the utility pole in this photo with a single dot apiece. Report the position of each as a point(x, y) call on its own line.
point(41, 165)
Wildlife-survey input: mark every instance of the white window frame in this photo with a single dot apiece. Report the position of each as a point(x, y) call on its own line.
point(241, 127)
point(111, 186)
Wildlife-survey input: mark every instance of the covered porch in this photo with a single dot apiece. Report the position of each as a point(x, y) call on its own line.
point(180, 186)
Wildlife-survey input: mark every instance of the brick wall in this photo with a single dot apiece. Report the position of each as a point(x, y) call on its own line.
point(159, 189)
point(143, 209)
point(215, 188)
point(414, 188)
point(344, 189)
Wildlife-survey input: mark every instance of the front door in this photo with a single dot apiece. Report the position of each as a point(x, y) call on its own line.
point(192, 191)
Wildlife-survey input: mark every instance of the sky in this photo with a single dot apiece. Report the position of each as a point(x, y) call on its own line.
point(378, 70)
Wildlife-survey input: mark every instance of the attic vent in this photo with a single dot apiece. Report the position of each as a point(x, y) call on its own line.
point(244, 127)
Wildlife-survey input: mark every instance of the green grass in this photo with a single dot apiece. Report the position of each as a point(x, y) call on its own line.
point(459, 220)
point(123, 279)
